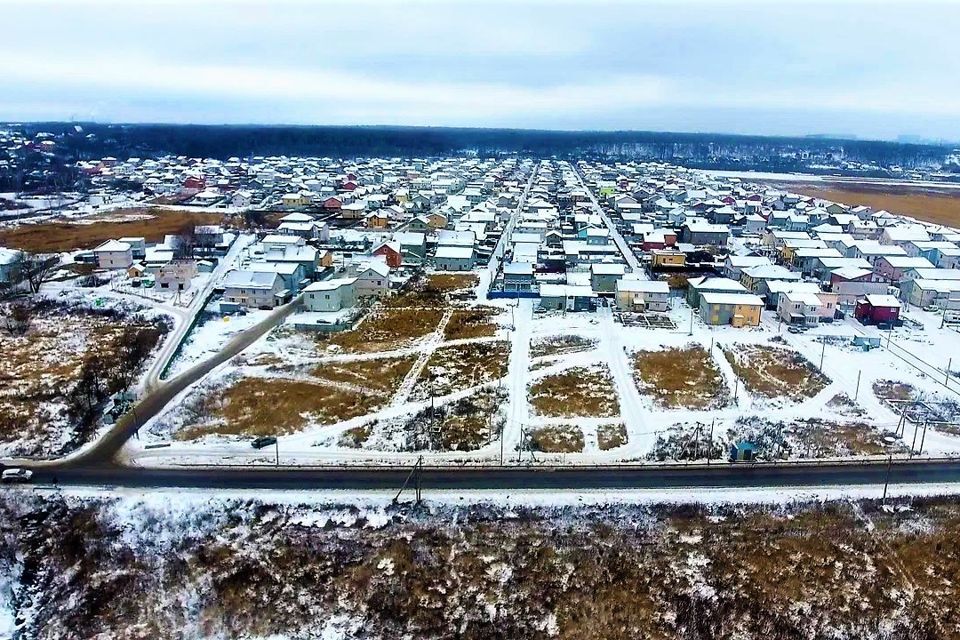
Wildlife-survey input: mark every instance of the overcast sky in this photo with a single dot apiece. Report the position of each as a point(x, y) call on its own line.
point(872, 69)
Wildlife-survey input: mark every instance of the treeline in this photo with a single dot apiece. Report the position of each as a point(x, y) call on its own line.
point(711, 150)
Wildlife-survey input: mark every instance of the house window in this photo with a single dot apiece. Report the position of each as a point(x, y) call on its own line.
point(326, 296)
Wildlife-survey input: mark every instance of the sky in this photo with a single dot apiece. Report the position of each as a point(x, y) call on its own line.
point(770, 67)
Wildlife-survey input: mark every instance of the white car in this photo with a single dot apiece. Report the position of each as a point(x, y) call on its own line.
point(17, 475)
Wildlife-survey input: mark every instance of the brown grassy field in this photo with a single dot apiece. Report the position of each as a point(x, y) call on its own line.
point(687, 378)
point(942, 207)
point(611, 436)
point(471, 323)
point(431, 291)
point(263, 406)
point(565, 438)
point(39, 370)
point(382, 375)
point(459, 367)
point(386, 329)
point(775, 372)
point(579, 391)
point(53, 237)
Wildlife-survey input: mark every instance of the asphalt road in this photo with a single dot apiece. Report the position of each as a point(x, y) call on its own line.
point(745, 475)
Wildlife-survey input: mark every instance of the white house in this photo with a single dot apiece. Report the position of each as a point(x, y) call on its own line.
point(114, 254)
point(454, 258)
point(372, 279)
point(330, 295)
point(643, 295)
point(259, 290)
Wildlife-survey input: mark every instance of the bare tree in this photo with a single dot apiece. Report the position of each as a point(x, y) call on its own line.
point(37, 270)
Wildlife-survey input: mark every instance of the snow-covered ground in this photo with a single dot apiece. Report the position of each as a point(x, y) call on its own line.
point(851, 371)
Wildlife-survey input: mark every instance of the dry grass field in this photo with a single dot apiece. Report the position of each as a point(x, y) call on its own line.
point(152, 224)
point(386, 329)
point(264, 406)
point(471, 323)
point(452, 369)
point(432, 290)
point(611, 436)
point(775, 372)
point(942, 207)
point(681, 378)
point(564, 438)
point(580, 391)
point(382, 375)
point(39, 370)
point(465, 425)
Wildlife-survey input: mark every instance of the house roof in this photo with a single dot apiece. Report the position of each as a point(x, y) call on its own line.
point(329, 285)
point(112, 246)
point(732, 298)
point(642, 286)
point(245, 279)
point(882, 300)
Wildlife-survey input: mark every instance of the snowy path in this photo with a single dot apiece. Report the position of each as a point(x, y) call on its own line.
point(410, 380)
point(517, 376)
point(631, 406)
point(628, 254)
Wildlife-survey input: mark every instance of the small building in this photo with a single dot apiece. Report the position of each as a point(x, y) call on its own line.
point(643, 295)
point(877, 309)
point(10, 260)
point(737, 309)
point(330, 295)
point(114, 254)
point(372, 279)
point(743, 452)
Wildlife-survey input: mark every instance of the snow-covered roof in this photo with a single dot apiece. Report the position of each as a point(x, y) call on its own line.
point(244, 279)
point(112, 246)
point(732, 298)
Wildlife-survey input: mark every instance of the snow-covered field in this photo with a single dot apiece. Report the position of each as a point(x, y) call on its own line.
point(83, 563)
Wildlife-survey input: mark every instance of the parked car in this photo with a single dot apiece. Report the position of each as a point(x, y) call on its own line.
point(263, 441)
point(932, 308)
point(17, 475)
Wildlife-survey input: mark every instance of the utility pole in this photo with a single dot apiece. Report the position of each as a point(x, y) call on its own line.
point(276, 449)
point(857, 392)
point(736, 387)
point(923, 437)
point(823, 352)
point(913, 443)
point(710, 441)
point(886, 481)
point(946, 380)
point(691, 321)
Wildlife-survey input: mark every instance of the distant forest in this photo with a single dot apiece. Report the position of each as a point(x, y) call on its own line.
point(717, 151)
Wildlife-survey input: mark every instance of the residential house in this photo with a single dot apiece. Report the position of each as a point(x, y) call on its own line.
point(518, 276)
point(454, 258)
point(10, 270)
point(877, 309)
point(852, 283)
point(391, 253)
point(114, 254)
point(372, 279)
point(176, 275)
point(330, 295)
point(696, 287)
point(704, 233)
point(667, 259)
point(755, 279)
point(291, 273)
point(566, 297)
point(642, 295)
point(737, 309)
point(733, 266)
point(253, 289)
point(604, 276)
point(894, 267)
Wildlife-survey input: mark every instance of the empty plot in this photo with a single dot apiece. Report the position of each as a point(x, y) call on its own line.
point(775, 372)
point(387, 329)
point(561, 345)
point(580, 391)
point(263, 406)
point(564, 438)
point(611, 436)
point(471, 323)
point(381, 374)
point(681, 378)
point(460, 367)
